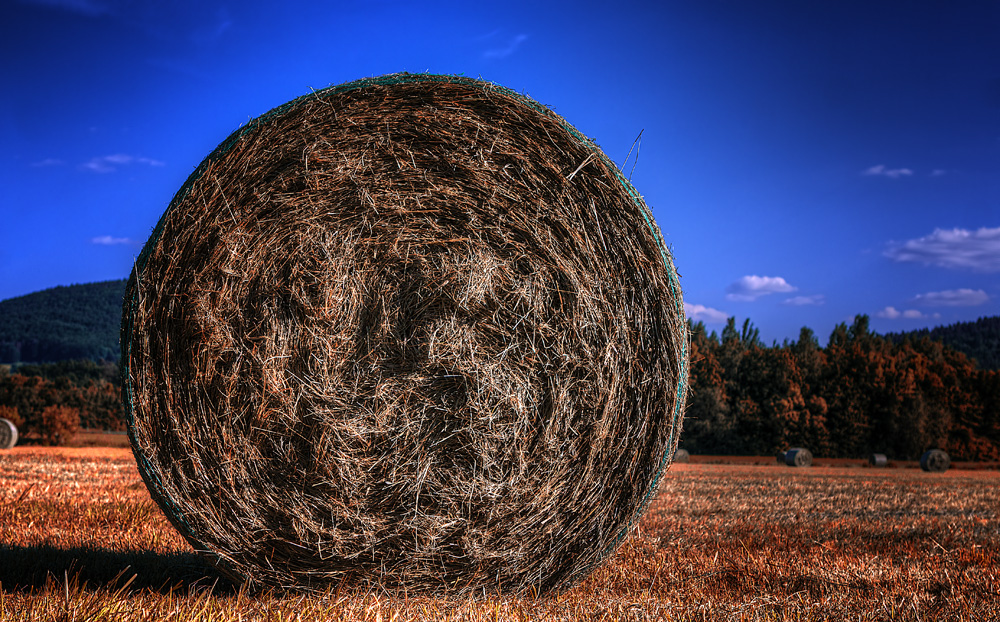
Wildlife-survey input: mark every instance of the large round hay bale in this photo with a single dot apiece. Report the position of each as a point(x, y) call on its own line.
point(413, 330)
point(8, 434)
point(878, 460)
point(682, 455)
point(798, 457)
point(935, 461)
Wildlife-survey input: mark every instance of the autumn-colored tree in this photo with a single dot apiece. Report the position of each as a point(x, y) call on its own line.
point(24, 393)
point(59, 425)
point(862, 394)
point(705, 423)
point(10, 414)
point(811, 361)
point(947, 382)
point(82, 387)
point(850, 379)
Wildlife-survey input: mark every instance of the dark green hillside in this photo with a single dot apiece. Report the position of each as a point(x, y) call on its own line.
point(979, 340)
point(72, 322)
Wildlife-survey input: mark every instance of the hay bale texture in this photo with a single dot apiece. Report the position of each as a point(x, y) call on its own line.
point(414, 331)
point(935, 461)
point(8, 433)
point(798, 457)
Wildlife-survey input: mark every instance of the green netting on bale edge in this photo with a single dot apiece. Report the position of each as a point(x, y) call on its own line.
point(150, 475)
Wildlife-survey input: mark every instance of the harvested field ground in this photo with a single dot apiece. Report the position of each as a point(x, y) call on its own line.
point(81, 539)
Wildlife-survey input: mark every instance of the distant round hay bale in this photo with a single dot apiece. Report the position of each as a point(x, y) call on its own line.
point(798, 457)
point(682, 455)
point(414, 331)
point(878, 460)
point(935, 461)
point(8, 434)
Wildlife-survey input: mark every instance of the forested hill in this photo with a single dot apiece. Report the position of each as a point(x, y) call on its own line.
point(82, 322)
point(978, 340)
point(71, 322)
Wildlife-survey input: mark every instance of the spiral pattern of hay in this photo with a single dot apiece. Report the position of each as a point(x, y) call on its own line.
point(413, 331)
point(8, 434)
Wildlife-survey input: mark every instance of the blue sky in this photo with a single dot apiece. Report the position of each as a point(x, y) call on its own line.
point(806, 161)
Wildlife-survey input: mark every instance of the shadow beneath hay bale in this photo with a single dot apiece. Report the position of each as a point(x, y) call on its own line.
point(26, 568)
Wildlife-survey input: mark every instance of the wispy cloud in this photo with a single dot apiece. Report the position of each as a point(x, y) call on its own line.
point(701, 313)
point(938, 172)
point(892, 313)
point(508, 49)
point(882, 170)
point(48, 162)
point(111, 163)
point(92, 8)
point(752, 287)
point(803, 301)
point(107, 240)
point(952, 248)
point(953, 298)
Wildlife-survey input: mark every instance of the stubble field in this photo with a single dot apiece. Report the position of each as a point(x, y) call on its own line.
point(80, 539)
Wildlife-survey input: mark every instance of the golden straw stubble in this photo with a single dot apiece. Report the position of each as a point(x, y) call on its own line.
point(415, 331)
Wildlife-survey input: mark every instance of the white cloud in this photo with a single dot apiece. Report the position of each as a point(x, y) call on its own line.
point(955, 248)
point(701, 313)
point(107, 240)
point(752, 287)
point(508, 49)
point(892, 313)
point(118, 158)
point(953, 298)
point(801, 301)
point(111, 163)
point(98, 165)
point(48, 162)
point(893, 173)
point(938, 172)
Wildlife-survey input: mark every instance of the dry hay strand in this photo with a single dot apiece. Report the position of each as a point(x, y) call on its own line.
point(935, 461)
point(413, 331)
point(798, 457)
point(8, 433)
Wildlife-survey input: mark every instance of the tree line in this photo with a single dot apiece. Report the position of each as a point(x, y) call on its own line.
point(859, 395)
point(979, 340)
point(50, 402)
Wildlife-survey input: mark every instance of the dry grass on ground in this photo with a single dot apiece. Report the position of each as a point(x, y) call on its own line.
point(81, 540)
